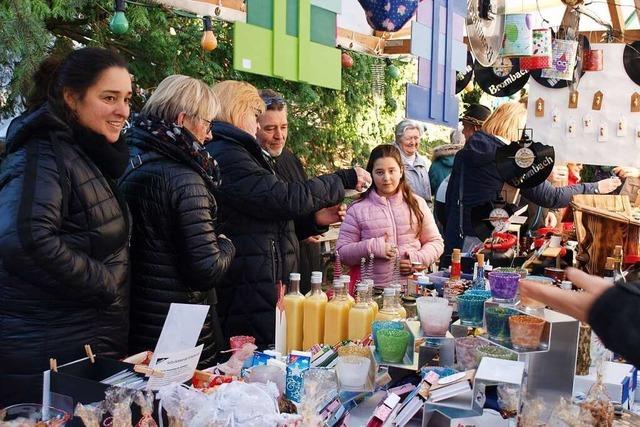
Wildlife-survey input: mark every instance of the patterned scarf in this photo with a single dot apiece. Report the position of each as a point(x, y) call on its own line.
point(181, 138)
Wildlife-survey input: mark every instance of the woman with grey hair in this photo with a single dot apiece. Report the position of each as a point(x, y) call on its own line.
point(408, 134)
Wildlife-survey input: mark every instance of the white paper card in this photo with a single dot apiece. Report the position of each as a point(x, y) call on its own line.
point(176, 367)
point(621, 127)
point(500, 371)
point(572, 130)
point(587, 124)
point(555, 118)
point(181, 328)
point(603, 132)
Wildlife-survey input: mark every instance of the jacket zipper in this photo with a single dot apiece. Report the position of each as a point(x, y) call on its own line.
point(275, 261)
point(393, 224)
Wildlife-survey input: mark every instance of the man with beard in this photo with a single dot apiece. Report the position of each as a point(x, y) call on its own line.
point(272, 137)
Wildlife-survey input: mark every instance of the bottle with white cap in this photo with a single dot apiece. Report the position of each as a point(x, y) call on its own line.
point(293, 308)
point(369, 297)
point(389, 311)
point(314, 309)
point(345, 279)
point(336, 315)
point(360, 316)
point(318, 276)
point(398, 300)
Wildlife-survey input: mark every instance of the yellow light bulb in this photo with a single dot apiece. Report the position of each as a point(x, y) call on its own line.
point(208, 41)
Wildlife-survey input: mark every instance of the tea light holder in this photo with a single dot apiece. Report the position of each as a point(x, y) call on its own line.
point(526, 332)
point(466, 352)
point(435, 316)
point(471, 309)
point(497, 323)
point(504, 286)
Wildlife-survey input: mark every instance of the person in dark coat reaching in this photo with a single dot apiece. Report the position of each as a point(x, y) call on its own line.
point(257, 210)
point(176, 255)
point(64, 238)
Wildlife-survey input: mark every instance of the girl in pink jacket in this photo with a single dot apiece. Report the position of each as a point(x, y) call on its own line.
point(389, 221)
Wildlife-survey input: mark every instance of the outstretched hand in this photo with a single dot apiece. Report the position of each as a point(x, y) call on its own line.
point(574, 304)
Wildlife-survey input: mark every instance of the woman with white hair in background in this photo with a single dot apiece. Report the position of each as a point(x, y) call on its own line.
point(416, 166)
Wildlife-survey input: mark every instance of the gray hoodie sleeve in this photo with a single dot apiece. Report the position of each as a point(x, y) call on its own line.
point(548, 196)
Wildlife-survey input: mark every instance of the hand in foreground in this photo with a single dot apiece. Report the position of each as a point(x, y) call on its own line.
point(551, 220)
point(330, 215)
point(313, 239)
point(574, 304)
point(364, 178)
point(608, 185)
point(405, 267)
point(626, 172)
point(389, 248)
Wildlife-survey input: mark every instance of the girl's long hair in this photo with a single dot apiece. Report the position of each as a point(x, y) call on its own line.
point(388, 150)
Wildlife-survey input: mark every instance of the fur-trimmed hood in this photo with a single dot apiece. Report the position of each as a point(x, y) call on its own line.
point(446, 150)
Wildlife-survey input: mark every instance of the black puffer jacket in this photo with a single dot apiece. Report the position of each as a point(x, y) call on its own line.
point(64, 252)
point(175, 254)
point(256, 212)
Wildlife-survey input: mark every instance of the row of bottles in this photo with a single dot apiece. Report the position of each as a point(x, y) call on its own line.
point(313, 319)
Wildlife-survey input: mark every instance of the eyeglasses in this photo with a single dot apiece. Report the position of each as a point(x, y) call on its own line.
point(275, 101)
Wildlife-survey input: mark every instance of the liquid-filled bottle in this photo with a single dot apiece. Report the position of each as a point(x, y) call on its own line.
point(389, 311)
point(346, 281)
point(293, 308)
point(360, 316)
point(314, 309)
point(402, 312)
point(336, 317)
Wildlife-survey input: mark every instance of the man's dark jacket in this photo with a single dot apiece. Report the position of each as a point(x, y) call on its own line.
point(257, 210)
point(175, 254)
point(482, 184)
point(64, 251)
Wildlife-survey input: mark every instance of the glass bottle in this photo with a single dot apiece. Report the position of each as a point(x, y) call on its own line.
point(314, 311)
point(360, 316)
point(336, 317)
point(618, 256)
point(453, 287)
point(609, 268)
point(398, 301)
point(346, 281)
point(478, 281)
point(293, 308)
point(388, 310)
point(369, 296)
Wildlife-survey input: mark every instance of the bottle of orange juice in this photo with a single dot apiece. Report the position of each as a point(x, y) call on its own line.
point(314, 310)
point(293, 308)
point(346, 281)
point(336, 316)
point(370, 301)
point(389, 311)
point(360, 316)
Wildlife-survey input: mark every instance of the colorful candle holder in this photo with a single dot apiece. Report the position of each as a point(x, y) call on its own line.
point(504, 285)
point(495, 352)
point(521, 271)
point(466, 352)
point(471, 309)
point(497, 322)
point(479, 293)
point(353, 370)
point(526, 332)
point(380, 325)
point(392, 344)
point(435, 315)
point(530, 303)
point(593, 60)
point(518, 37)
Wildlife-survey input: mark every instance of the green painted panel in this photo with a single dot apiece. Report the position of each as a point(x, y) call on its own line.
point(292, 18)
point(324, 67)
point(323, 26)
point(285, 47)
point(260, 13)
point(334, 6)
point(252, 49)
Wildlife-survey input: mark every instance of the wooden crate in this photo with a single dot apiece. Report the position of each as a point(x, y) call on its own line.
point(602, 222)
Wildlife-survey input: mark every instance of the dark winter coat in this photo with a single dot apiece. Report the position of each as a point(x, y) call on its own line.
point(482, 183)
point(175, 254)
point(256, 212)
point(64, 251)
point(614, 319)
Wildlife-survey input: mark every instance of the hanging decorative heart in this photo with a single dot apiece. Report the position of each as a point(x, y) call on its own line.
point(388, 15)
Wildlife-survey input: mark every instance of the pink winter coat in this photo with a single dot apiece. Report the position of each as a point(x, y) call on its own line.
point(364, 228)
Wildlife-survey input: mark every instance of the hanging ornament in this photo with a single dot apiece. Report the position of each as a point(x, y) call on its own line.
point(119, 23)
point(392, 71)
point(389, 15)
point(572, 3)
point(208, 41)
point(347, 60)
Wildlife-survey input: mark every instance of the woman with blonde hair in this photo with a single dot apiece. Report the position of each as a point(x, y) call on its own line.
point(475, 180)
point(257, 210)
point(176, 255)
